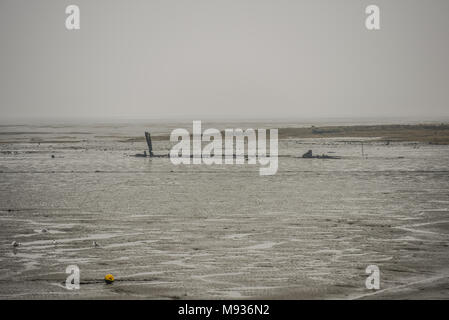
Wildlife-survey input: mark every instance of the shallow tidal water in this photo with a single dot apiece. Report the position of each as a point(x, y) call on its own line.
point(184, 232)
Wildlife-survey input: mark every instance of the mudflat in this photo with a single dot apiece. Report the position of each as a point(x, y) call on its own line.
point(180, 232)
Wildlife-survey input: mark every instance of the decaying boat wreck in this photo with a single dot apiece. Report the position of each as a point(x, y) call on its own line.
point(309, 155)
point(150, 154)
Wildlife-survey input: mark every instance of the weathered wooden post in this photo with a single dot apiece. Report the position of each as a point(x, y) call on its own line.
point(150, 145)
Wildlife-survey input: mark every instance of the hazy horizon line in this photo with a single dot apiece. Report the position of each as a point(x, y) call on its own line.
point(24, 120)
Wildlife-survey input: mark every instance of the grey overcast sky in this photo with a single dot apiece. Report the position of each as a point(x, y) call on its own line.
point(224, 58)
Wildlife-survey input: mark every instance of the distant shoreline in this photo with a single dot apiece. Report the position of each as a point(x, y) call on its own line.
point(421, 133)
point(437, 134)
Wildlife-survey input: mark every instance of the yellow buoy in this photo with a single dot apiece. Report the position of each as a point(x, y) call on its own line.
point(109, 278)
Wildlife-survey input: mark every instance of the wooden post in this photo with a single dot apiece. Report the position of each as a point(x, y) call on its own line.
point(150, 145)
point(363, 153)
